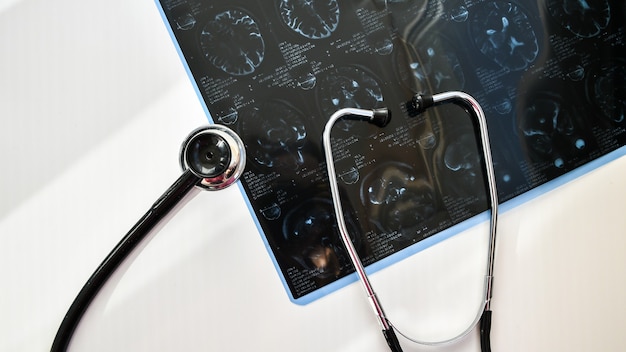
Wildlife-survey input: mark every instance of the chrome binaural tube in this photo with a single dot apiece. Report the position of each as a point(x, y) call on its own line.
point(417, 105)
point(379, 117)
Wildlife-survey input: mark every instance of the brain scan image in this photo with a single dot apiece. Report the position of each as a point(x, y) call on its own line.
point(183, 18)
point(271, 212)
point(436, 67)
point(275, 135)
point(459, 14)
point(311, 237)
point(185, 21)
point(584, 18)
point(550, 131)
point(576, 73)
point(348, 87)
point(502, 102)
point(306, 81)
point(504, 174)
point(233, 43)
point(312, 19)
point(503, 33)
point(383, 46)
point(408, 14)
point(607, 90)
point(397, 198)
point(460, 164)
point(227, 116)
point(349, 176)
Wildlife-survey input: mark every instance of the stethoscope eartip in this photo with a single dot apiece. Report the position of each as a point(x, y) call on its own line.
point(381, 117)
point(418, 104)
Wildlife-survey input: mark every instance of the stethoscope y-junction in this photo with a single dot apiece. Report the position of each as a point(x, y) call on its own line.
point(213, 158)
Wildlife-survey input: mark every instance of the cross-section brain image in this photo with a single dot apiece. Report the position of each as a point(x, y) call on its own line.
point(436, 67)
point(461, 166)
point(348, 87)
point(584, 18)
point(275, 135)
point(185, 21)
point(398, 198)
point(608, 91)
point(312, 19)
point(503, 33)
point(459, 14)
point(233, 43)
point(550, 130)
point(311, 237)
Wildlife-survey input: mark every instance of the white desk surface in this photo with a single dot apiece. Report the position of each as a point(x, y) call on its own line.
point(94, 104)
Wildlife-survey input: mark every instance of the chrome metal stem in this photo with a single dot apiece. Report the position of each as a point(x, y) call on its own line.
point(468, 102)
point(343, 230)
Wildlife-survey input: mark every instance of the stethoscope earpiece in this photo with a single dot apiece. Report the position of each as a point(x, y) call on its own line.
point(214, 154)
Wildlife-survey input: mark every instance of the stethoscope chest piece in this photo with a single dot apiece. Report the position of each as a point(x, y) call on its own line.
point(212, 157)
point(215, 154)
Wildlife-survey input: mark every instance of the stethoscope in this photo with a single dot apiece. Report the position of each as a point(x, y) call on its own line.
point(213, 157)
point(381, 117)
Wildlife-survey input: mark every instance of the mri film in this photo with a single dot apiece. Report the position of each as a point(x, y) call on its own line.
point(549, 75)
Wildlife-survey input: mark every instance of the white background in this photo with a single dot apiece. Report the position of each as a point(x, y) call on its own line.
point(94, 103)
